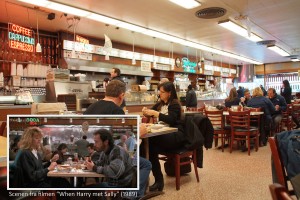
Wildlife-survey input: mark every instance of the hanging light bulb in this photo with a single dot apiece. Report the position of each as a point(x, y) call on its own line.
point(172, 62)
point(97, 120)
point(154, 60)
point(249, 72)
point(73, 53)
point(38, 48)
point(133, 62)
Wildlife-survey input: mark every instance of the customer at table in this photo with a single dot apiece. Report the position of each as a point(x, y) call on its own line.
point(260, 101)
point(232, 99)
point(247, 96)
point(110, 105)
point(145, 165)
point(30, 172)
point(61, 150)
point(280, 105)
point(114, 162)
point(92, 152)
point(191, 97)
point(168, 111)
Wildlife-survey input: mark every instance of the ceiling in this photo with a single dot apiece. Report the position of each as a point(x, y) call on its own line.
point(270, 19)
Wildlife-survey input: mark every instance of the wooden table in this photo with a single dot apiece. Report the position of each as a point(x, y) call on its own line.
point(75, 174)
point(251, 113)
point(153, 133)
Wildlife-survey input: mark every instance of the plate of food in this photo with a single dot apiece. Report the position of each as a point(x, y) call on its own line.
point(157, 126)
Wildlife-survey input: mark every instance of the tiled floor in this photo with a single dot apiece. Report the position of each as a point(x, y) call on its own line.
point(234, 176)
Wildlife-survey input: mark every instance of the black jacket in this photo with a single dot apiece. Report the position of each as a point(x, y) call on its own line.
point(191, 99)
point(279, 100)
point(199, 131)
point(174, 113)
point(287, 94)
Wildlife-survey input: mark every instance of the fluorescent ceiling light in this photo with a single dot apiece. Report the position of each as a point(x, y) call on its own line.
point(295, 59)
point(239, 30)
point(188, 4)
point(103, 19)
point(108, 20)
point(278, 50)
point(68, 9)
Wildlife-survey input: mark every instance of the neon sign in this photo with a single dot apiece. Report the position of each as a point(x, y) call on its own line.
point(188, 66)
point(20, 38)
point(82, 39)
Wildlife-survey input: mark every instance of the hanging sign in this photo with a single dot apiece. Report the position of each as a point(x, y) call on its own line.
point(145, 66)
point(20, 38)
point(82, 39)
point(188, 66)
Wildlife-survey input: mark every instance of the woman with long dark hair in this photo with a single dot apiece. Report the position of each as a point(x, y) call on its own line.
point(232, 99)
point(168, 111)
point(286, 91)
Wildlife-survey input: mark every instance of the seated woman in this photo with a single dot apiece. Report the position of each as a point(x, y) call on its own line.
point(167, 110)
point(61, 149)
point(232, 99)
point(260, 101)
point(33, 174)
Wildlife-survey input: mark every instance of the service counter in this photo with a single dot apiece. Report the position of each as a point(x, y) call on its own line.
point(14, 110)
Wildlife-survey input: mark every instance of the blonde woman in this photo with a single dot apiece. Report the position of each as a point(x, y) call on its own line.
point(260, 101)
point(32, 173)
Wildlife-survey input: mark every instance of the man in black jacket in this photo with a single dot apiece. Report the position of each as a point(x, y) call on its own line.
point(280, 105)
point(191, 98)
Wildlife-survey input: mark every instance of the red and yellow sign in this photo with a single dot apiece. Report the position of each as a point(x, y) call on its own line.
point(82, 39)
point(20, 38)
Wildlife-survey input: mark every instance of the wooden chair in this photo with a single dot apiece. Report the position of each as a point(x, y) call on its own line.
point(279, 192)
point(177, 157)
point(241, 130)
point(279, 168)
point(2, 128)
point(218, 121)
point(286, 119)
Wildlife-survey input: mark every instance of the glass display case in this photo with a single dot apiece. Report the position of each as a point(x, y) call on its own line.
point(139, 97)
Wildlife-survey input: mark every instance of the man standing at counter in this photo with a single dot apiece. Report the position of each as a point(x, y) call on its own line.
point(110, 105)
point(115, 74)
point(191, 98)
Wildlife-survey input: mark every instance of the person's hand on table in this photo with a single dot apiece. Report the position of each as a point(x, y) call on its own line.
point(149, 112)
point(89, 165)
point(52, 166)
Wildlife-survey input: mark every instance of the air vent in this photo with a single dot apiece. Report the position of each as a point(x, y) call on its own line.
point(211, 13)
point(266, 42)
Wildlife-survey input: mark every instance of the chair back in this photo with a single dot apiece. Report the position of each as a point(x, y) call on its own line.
point(255, 119)
point(287, 117)
point(279, 168)
point(2, 128)
point(239, 119)
point(216, 118)
point(279, 192)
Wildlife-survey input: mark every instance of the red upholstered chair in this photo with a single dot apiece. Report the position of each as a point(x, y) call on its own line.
point(218, 121)
point(241, 129)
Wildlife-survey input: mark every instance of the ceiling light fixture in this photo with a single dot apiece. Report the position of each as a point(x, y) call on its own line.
point(278, 50)
point(295, 59)
point(239, 30)
point(188, 4)
point(133, 62)
point(138, 29)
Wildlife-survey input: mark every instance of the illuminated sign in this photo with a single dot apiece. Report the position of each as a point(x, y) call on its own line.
point(33, 121)
point(20, 38)
point(82, 39)
point(188, 66)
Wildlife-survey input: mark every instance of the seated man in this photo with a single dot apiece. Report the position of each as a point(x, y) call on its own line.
point(280, 105)
point(114, 162)
point(246, 97)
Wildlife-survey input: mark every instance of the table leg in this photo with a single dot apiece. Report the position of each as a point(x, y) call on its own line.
point(75, 181)
point(146, 148)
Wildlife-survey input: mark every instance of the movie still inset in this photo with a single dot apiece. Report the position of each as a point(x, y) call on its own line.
point(82, 152)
